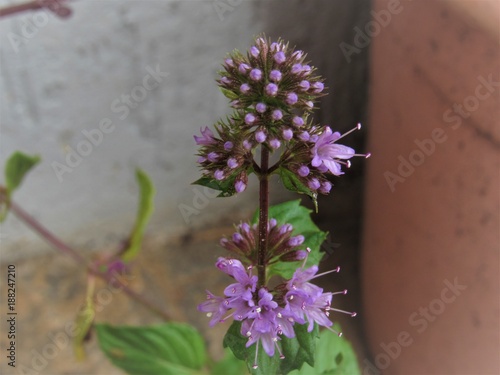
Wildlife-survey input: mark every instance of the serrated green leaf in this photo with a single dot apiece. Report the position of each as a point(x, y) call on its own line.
point(293, 213)
point(334, 356)
point(16, 168)
point(144, 212)
point(228, 93)
point(167, 349)
point(226, 187)
point(292, 183)
point(300, 349)
point(229, 365)
point(235, 341)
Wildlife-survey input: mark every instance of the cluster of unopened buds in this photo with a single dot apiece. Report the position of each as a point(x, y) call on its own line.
point(273, 91)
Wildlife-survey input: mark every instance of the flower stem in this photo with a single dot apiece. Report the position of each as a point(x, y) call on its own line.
point(263, 215)
point(66, 249)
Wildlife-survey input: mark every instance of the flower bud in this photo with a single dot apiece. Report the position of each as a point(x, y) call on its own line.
point(277, 115)
point(261, 107)
point(271, 89)
point(275, 75)
point(256, 74)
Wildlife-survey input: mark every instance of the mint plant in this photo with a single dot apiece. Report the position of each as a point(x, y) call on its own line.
point(274, 307)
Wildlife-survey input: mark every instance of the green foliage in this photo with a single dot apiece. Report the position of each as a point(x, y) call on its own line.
point(229, 365)
point(83, 322)
point(297, 351)
point(16, 168)
point(167, 349)
point(292, 183)
point(226, 186)
point(293, 213)
point(334, 356)
point(144, 212)
point(229, 94)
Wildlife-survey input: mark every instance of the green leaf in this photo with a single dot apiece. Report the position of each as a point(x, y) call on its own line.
point(16, 167)
point(229, 94)
point(167, 349)
point(235, 341)
point(226, 187)
point(300, 349)
point(144, 212)
point(334, 356)
point(229, 365)
point(293, 213)
point(292, 183)
point(83, 322)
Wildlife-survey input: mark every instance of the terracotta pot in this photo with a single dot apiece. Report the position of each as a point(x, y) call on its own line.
point(431, 242)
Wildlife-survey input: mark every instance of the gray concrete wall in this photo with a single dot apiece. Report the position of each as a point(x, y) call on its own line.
point(62, 78)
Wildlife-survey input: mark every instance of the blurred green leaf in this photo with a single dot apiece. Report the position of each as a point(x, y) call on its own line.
point(144, 212)
point(292, 183)
point(16, 168)
point(229, 94)
point(226, 186)
point(167, 349)
point(83, 321)
point(229, 365)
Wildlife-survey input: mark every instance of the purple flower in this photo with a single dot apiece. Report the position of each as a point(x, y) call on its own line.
point(213, 156)
point(304, 85)
point(275, 143)
point(291, 98)
point(325, 188)
point(247, 145)
point(260, 136)
point(229, 62)
point(232, 163)
point(254, 51)
point(215, 307)
point(228, 145)
point(219, 175)
point(240, 186)
point(326, 152)
point(306, 69)
point(313, 184)
point(296, 241)
point(318, 87)
point(298, 121)
point(244, 88)
point(303, 171)
point(206, 139)
point(256, 74)
point(249, 118)
point(260, 107)
point(275, 75)
point(279, 57)
point(296, 68)
point(225, 80)
point(243, 68)
point(310, 104)
point(271, 89)
point(304, 136)
point(297, 55)
point(287, 134)
point(277, 115)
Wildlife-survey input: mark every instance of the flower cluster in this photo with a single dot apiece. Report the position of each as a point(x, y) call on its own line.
point(281, 245)
point(273, 91)
point(265, 314)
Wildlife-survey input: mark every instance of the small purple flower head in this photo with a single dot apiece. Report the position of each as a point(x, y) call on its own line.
point(326, 152)
point(310, 104)
point(228, 145)
point(277, 115)
point(243, 68)
point(232, 163)
point(219, 175)
point(215, 307)
point(229, 62)
point(254, 51)
point(260, 107)
point(291, 98)
point(250, 118)
point(275, 75)
point(285, 228)
point(271, 89)
point(213, 156)
point(256, 74)
point(304, 85)
point(303, 171)
point(306, 69)
point(325, 188)
point(304, 136)
point(275, 143)
point(296, 68)
point(244, 88)
point(313, 184)
point(247, 145)
point(298, 121)
point(279, 57)
point(206, 139)
point(297, 55)
point(296, 241)
point(260, 136)
point(225, 80)
point(318, 87)
point(240, 186)
point(287, 134)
